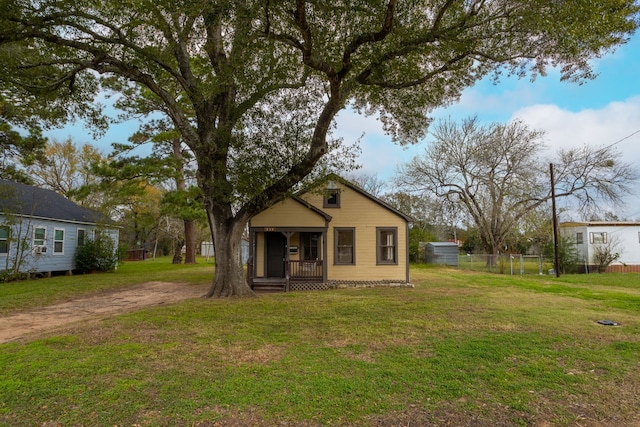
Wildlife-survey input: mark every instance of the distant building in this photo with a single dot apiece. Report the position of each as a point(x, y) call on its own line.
point(207, 250)
point(446, 253)
point(41, 230)
point(621, 236)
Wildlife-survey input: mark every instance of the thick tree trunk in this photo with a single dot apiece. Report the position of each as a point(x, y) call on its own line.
point(177, 251)
point(229, 278)
point(190, 242)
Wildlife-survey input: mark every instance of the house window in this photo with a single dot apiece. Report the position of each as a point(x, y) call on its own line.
point(4, 239)
point(82, 236)
point(331, 198)
point(344, 249)
point(387, 242)
point(310, 245)
point(58, 241)
point(600, 237)
point(39, 236)
point(579, 239)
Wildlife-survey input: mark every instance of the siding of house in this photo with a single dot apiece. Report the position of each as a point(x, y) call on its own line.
point(288, 213)
point(22, 230)
point(366, 216)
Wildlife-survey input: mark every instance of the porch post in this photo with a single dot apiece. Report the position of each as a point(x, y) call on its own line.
point(325, 251)
point(251, 264)
point(287, 264)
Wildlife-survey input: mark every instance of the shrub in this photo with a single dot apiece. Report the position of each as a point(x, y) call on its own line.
point(98, 254)
point(568, 256)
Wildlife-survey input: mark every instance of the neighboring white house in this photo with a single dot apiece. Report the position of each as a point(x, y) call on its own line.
point(41, 230)
point(207, 250)
point(621, 237)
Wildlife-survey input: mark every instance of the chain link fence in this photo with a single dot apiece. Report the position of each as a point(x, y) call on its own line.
point(513, 264)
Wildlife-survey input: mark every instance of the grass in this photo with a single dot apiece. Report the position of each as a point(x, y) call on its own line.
point(41, 292)
point(459, 348)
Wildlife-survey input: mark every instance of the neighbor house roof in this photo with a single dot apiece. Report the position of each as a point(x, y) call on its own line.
point(599, 224)
point(27, 200)
point(443, 244)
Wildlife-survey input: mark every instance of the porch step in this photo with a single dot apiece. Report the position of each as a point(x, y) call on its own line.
point(269, 286)
point(264, 289)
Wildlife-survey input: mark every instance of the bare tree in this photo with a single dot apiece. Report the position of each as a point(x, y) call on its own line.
point(369, 182)
point(494, 172)
point(605, 253)
point(66, 168)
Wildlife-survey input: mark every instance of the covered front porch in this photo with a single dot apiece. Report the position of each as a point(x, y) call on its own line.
point(287, 258)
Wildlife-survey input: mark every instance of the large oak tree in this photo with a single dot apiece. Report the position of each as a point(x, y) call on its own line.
point(254, 86)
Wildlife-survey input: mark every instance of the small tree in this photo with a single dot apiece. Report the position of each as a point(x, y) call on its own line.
point(16, 231)
point(604, 254)
point(95, 255)
point(568, 256)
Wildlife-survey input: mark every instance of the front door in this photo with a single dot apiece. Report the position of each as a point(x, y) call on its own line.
point(276, 247)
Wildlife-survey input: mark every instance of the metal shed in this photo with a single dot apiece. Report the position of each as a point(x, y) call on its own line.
point(445, 253)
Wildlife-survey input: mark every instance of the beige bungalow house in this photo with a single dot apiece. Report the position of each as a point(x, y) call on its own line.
point(338, 236)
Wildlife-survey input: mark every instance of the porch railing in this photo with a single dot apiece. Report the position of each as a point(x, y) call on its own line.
point(305, 270)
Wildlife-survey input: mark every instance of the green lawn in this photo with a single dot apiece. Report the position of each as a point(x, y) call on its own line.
point(459, 348)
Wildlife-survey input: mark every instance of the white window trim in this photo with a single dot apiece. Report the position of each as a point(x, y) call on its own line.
point(53, 249)
point(44, 239)
point(7, 239)
point(592, 239)
point(86, 236)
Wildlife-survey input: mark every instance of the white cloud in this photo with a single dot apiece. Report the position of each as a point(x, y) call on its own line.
point(617, 123)
point(602, 127)
point(564, 128)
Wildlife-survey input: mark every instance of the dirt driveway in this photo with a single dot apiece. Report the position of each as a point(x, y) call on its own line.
point(100, 305)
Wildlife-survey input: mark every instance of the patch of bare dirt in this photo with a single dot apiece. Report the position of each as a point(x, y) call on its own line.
point(96, 306)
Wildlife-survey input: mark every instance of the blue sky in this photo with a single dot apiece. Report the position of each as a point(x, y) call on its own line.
point(598, 112)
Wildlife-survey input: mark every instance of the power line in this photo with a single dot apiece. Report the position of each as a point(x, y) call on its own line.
point(620, 140)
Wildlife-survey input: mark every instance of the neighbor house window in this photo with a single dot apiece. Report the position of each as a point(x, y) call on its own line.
point(579, 239)
point(310, 245)
point(39, 236)
point(82, 236)
point(387, 242)
point(58, 241)
point(331, 198)
point(4, 240)
point(600, 237)
point(344, 249)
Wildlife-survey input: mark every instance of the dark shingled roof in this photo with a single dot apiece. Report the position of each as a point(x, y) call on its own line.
point(22, 199)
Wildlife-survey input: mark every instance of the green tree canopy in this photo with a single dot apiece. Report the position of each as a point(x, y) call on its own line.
point(253, 86)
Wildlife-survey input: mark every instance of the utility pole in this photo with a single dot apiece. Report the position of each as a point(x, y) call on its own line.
point(556, 260)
